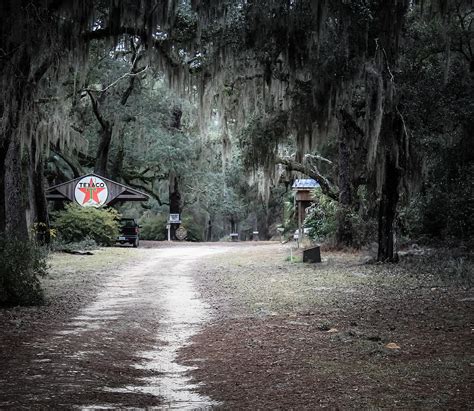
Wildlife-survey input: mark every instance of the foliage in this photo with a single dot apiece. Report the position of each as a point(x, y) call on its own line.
point(193, 229)
point(153, 227)
point(323, 223)
point(76, 223)
point(19, 276)
point(321, 219)
point(260, 138)
point(289, 222)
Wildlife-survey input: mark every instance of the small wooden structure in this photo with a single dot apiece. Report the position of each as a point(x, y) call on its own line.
point(303, 200)
point(92, 190)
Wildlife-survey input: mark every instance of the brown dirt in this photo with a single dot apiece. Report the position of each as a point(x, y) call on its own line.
point(299, 336)
point(282, 335)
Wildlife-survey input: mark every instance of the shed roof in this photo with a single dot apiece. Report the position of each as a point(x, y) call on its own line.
point(116, 191)
point(305, 184)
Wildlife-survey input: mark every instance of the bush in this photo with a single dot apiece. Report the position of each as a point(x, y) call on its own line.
point(21, 265)
point(75, 224)
point(153, 228)
point(321, 219)
point(194, 230)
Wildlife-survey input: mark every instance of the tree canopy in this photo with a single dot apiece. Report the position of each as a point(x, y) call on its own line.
point(220, 103)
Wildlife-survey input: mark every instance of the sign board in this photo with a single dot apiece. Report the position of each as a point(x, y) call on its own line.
point(174, 219)
point(181, 233)
point(91, 191)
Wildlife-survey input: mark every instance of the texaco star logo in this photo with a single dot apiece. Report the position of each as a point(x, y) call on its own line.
point(91, 192)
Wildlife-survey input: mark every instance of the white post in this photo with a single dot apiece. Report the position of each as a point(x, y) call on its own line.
point(168, 226)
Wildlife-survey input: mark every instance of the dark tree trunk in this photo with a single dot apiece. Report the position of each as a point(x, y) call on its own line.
point(176, 115)
point(344, 234)
point(395, 155)
point(3, 153)
point(15, 209)
point(37, 182)
point(174, 193)
point(233, 225)
point(103, 151)
point(387, 212)
point(209, 230)
point(117, 166)
point(175, 201)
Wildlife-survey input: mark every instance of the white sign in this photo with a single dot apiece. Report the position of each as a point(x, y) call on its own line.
point(91, 191)
point(174, 219)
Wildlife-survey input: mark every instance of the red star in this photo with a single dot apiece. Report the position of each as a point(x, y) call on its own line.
point(91, 193)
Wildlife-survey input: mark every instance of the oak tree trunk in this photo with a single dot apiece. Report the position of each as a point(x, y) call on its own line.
point(344, 234)
point(175, 201)
point(102, 157)
point(391, 175)
point(15, 209)
point(387, 212)
point(38, 206)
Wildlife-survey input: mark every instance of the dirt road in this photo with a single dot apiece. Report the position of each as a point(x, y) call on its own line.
point(242, 326)
point(120, 348)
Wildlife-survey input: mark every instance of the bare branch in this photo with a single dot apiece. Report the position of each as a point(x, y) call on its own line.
point(130, 74)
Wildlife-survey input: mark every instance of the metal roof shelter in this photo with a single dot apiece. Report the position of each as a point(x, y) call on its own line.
point(305, 184)
point(92, 190)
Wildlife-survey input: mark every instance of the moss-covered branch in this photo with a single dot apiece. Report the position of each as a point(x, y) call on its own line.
point(312, 172)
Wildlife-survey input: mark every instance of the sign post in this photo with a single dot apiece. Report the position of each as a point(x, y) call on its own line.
point(174, 219)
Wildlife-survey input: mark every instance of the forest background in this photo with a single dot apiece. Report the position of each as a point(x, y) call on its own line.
point(212, 107)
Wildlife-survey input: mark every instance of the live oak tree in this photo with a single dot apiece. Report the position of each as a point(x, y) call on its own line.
point(317, 73)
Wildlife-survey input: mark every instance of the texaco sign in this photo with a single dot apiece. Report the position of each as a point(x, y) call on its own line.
point(91, 191)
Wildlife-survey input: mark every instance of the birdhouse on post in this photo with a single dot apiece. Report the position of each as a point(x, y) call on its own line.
point(303, 200)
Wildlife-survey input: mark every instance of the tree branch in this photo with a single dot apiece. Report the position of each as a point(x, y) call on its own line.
point(130, 74)
point(95, 107)
point(147, 190)
point(312, 172)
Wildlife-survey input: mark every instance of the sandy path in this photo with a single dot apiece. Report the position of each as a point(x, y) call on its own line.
point(120, 349)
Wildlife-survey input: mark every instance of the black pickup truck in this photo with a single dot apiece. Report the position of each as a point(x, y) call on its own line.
point(129, 232)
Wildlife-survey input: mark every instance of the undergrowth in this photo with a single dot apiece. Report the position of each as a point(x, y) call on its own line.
point(21, 265)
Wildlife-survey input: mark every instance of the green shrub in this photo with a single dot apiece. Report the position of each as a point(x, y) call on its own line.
point(153, 228)
point(194, 230)
point(21, 265)
point(76, 223)
point(321, 219)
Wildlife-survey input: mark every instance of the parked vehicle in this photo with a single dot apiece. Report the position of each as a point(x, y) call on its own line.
point(129, 232)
